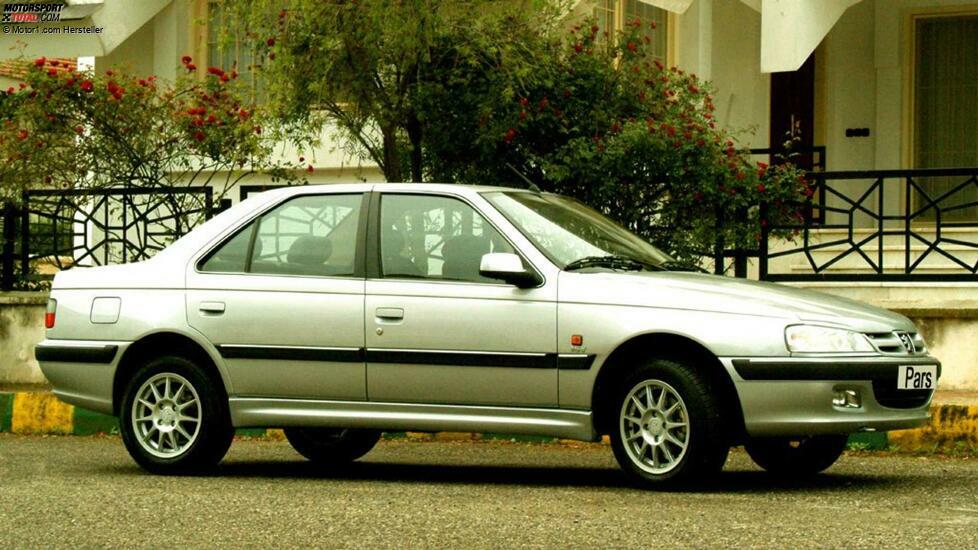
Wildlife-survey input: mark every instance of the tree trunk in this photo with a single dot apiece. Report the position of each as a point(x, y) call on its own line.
point(415, 135)
point(392, 157)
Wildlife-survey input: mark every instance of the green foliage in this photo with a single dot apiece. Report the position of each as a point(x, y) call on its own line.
point(605, 122)
point(79, 129)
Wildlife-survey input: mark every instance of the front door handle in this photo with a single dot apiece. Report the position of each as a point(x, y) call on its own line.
point(213, 308)
point(390, 313)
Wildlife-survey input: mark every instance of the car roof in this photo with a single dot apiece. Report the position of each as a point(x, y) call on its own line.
point(455, 188)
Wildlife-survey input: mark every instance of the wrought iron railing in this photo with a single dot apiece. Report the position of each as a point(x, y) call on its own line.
point(879, 225)
point(55, 229)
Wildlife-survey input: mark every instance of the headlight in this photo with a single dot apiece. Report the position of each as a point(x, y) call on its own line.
point(816, 339)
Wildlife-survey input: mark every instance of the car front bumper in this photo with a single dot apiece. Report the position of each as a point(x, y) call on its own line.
point(793, 396)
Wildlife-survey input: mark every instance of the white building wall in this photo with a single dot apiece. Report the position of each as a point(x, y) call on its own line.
point(743, 91)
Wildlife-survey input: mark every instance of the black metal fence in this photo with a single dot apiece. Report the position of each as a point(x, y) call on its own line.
point(54, 229)
point(880, 225)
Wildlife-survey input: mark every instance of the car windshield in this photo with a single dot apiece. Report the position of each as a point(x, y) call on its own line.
point(573, 235)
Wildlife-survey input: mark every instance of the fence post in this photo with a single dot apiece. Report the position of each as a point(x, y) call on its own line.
point(9, 235)
point(718, 267)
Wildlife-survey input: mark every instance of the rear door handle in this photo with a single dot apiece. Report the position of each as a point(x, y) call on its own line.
point(390, 313)
point(215, 308)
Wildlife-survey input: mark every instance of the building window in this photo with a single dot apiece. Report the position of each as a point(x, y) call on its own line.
point(945, 91)
point(613, 15)
point(236, 53)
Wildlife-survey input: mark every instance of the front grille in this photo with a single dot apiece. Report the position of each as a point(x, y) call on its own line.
point(887, 395)
point(891, 343)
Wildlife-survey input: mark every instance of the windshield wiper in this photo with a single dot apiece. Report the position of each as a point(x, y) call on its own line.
point(613, 262)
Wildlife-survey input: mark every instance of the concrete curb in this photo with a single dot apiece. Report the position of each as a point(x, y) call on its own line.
point(953, 428)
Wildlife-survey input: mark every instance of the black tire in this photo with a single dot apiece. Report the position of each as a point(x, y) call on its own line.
point(332, 446)
point(706, 444)
point(212, 433)
point(786, 457)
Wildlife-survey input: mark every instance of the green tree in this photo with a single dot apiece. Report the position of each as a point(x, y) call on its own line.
point(361, 65)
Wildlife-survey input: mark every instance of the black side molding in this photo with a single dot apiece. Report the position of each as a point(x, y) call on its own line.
point(76, 354)
point(292, 354)
point(825, 370)
point(410, 357)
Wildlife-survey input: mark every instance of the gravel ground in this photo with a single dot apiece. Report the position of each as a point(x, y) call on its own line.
point(86, 492)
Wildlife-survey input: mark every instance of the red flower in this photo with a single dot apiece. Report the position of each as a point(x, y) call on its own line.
point(224, 78)
point(594, 29)
point(234, 74)
point(271, 56)
point(615, 128)
point(215, 71)
point(40, 61)
point(87, 86)
point(22, 134)
point(211, 119)
point(760, 188)
point(199, 136)
point(510, 135)
point(191, 67)
point(524, 102)
point(543, 103)
point(281, 14)
point(741, 175)
point(659, 65)
point(653, 24)
point(52, 73)
point(55, 63)
point(522, 115)
point(578, 47)
point(309, 168)
point(632, 46)
point(186, 59)
point(257, 129)
point(694, 89)
point(270, 42)
point(10, 90)
point(79, 130)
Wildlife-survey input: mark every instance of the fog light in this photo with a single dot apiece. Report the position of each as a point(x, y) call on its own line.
point(848, 399)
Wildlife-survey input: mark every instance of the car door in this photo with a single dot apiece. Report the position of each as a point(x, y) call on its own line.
point(437, 331)
point(282, 299)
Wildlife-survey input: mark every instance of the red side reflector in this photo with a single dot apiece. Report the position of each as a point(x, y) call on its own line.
point(50, 313)
point(577, 340)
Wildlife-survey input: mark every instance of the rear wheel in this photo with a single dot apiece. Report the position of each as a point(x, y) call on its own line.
point(174, 419)
point(669, 430)
point(796, 457)
point(334, 446)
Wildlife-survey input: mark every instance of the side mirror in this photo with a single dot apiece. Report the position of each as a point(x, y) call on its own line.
point(509, 268)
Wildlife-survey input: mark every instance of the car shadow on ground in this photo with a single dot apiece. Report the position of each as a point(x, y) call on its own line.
point(735, 481)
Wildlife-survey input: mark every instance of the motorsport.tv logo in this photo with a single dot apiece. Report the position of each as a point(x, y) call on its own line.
point(31, 13)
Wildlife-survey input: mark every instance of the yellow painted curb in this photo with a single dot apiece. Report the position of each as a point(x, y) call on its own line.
point(952, 427)
point(41, 413)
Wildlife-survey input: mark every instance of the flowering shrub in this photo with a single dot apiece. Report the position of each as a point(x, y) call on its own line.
point(607, 123)
point(69, 128)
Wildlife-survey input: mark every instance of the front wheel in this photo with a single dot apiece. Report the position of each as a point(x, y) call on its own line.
point(173, 418)
point(796, 457)
point(333, 446)
point(669, 428)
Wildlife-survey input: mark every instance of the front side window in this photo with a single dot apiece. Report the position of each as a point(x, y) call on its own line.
point(313, 235)
point(570, 233)
point(435, 237)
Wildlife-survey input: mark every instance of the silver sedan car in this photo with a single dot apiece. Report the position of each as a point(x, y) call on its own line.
point(337, 312)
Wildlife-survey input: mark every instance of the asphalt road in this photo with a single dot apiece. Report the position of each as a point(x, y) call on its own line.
point(86, 492)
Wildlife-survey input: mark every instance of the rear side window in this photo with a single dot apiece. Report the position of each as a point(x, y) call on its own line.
point(312, 235)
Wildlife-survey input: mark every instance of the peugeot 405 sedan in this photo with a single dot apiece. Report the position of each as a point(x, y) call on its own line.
point(337, 312)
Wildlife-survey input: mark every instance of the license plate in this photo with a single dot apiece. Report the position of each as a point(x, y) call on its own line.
point(917, 377)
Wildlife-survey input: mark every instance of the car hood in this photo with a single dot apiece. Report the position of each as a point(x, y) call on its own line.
point(712, 293)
